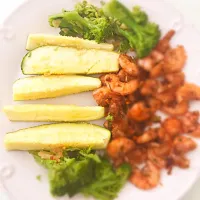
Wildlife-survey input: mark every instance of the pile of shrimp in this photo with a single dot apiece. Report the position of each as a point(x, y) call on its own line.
point(132, 98)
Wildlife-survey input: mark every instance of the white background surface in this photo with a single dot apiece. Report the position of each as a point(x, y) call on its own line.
point(191, 11)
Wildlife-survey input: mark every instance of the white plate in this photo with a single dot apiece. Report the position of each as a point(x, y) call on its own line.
point(18, 170)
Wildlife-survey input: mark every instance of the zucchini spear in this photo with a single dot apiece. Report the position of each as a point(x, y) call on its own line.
point(64, 60)
point(53, 113)
point(65, 135)
point(41, 87)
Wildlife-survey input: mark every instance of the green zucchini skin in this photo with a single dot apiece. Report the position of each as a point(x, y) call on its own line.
point(63, 135)
point(54, 60)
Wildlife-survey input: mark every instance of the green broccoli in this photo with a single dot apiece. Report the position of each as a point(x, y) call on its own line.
point(140, 16)
point(87, 21)
point(142, 36)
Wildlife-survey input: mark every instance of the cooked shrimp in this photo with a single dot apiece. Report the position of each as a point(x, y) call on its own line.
point(146, 178)
point(102, 79)
point(178, 160)
point(163, 44)
point(149, 87)
point(157, 70)
point(166, 97)
point(119, 147)
point(121, 128)
point(136, 156)
point(146, 63)
point(196, 132)
point(130, 99)
point(163, 136)
point(125, 88)
point(188, 91)
point(143, 74)
point(183, 144)
point(175, 79)
point(116, 106)
point(157, 56)
point(153, 104)
point(112, 81)
point(162, 149)
point(172, 126)
point(155, 159)
point(174, 60)
point(102, 96)
point(139, 112)
point(124, 76)
point(147, 136)
point(127, 64)
point(177, 110)
point(190, 121)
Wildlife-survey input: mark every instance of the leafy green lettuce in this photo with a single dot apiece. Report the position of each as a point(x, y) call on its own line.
point(84, 171)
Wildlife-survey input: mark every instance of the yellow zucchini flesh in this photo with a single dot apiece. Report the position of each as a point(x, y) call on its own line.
point(53, 113)
point(64, 135)
point(40, 87)
point(38, 40)
point(64, 60)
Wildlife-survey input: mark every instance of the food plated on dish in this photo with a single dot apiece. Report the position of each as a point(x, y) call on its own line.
point(141, 74)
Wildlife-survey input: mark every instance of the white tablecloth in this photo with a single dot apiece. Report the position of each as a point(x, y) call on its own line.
point(191, 11)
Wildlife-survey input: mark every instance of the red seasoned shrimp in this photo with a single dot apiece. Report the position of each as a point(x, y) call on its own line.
point(112, 82)
point(157, 70)
point(178, 160)
point(136, 156)
point(103, 95)
point(196, 132)
point(149, 87)
point(157, 56)
point(161, 149)
point(175, 79)
point(146, 63)
point(183, 144)
point(121, 128)
point(139, 112)
point(116, 106)
point(176, 110)
point(119, 147)
point(190, 121)
point(158, 161)
point(163, 136)
point(188, 91)
point(163, 44)
point(174, 60)
point(102, 79)
point(166, 97)
point(172, 126)
point(127, 64)
point(124, 76)
point(153, 104)
point(147, 136)
point(146, 178)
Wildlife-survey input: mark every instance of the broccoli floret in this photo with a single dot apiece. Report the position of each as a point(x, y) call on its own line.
point(87, 21)
point(142, 37)
point(140, 16)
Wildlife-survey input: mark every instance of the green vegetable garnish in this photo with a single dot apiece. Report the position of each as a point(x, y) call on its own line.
point(109, 118)
point(114, 21)
point(86, 21)
point(141, 34)
point(108, 182)
point(86, 172)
